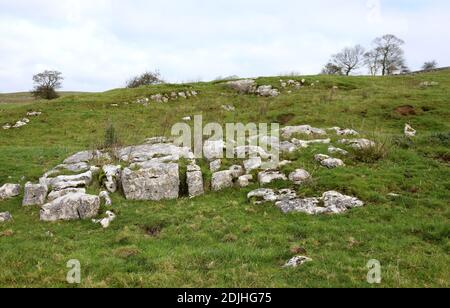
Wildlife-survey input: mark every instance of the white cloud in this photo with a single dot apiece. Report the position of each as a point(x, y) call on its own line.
point(99, 44)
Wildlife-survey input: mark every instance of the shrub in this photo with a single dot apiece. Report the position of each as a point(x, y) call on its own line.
point(145, 79)
point(46, 84)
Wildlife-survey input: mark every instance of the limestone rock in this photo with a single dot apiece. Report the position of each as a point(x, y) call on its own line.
point(213, 149)
point(5, 217)
point(267, 177)
point(409, 131)
point(158, 182)
point(288, 131)
point(147, 152)
point(251, 151)
point(215, 165)
point(58, 194)
point(35, 194)
point(236, 171)
point(8, 191)
point(195, 181)
point(71, 181)
point(334, 150)
point(308, 206)
point(245, 180)
point(328, 161)
point(358, 144)
point(222, 180)
point(337, 203)
point(71, 207)
point(299, 176)
point(267, 91)
point(344, 132)
point(252, 164)
point(104, 195)
point(263, 195)
point(246, 86)
point(297, 261)
point(112, 177)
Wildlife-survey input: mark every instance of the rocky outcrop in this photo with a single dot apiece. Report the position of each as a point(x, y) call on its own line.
point(159, 152)
point(70, 181)
point(297, 261)
point(35, 194)
point(267, 91)
point(8, 191)
point(159, 181)
point(71, 207)
point(288, 131)
point(246, 86)
point(287, 201)
point(60, 193)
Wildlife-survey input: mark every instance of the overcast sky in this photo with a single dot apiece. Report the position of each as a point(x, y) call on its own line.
point(99, 44)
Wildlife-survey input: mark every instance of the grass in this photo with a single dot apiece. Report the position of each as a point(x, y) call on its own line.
point(220, 239)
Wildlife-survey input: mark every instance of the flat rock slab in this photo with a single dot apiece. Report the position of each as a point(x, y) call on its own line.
point(8, 191)
point(158, 182)
point(71, 207)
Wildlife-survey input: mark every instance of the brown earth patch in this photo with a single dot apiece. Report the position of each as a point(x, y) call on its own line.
point(406, 110)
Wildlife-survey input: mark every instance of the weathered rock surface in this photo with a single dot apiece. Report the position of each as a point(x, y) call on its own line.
point(157, 182)
point(297, 261)
point(246, 86)
point(104, 195)
point(5, 217)
point(215, 165)
point(237, 171)
point(213, 149)
point(267, 91)
point(195, 181)
point(251, 151)
point(71, 207)
point(288, 131)
point(299, 176)
point(147, 152)
point(334, 150)
point(358, 144)
point(337, 203)
point(252, 164)
point(112, 177)
point(60, 193)
point(8, 191)
point(344, 132)
point(263, 195)
point(244, 180)
point(71, 181)
point(222, 180)
point(267, 177)
point(35, 194)
point(328, 161)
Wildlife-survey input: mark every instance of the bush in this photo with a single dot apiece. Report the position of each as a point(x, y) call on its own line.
point(145, 79)
point(111, 137)
point(44, 92)
point(372, 154)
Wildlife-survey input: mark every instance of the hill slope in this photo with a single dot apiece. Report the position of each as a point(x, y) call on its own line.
point(220, 239)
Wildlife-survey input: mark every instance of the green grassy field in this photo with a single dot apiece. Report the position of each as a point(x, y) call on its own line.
point(220, 239)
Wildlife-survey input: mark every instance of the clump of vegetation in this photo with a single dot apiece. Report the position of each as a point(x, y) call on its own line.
point(373, 154)
point(46, 84)
point(111, 137)
point(145, 79)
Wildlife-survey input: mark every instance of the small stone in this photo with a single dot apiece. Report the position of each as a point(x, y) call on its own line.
point(267, 177)
point(334, 150)
point(104, 195)
point(195, 181)
point(5, 217)
point(244, 180)
point(297, 261)
point(106, 222)
point(409, 131)
point(299, 176)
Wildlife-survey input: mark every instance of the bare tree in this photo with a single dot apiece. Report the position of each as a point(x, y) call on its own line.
point(349, 59)
point(145, 79)
point(46, 84)
point(392, 60)
point(331, 69)
point(372, 60)
point(430, 65)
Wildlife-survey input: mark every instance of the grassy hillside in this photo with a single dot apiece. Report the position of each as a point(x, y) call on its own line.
point(220, 239)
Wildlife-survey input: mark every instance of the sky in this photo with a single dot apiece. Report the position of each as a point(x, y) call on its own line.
point(99, 44)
